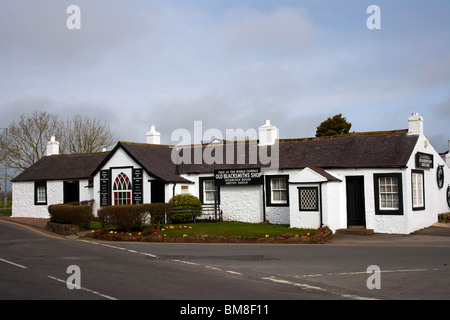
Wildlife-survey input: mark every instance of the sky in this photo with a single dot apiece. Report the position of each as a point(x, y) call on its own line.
point(228, 63)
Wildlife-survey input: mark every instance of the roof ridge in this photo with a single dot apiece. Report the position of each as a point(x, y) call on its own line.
point(352, 134)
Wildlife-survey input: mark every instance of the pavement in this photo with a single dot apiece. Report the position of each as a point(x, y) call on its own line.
point(436, 235)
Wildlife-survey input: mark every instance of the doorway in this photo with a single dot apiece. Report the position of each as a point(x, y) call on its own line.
point(71, 191)
point(158, 194)
point(356, 209)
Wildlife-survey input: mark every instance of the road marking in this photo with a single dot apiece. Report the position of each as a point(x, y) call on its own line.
point(359, 272)
point(186, 262)
point(315, 288)
point(14, 264)
point(87, 290)
point(234, 272)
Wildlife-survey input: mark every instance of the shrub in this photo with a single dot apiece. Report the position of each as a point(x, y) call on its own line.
point(133, 216)
point(80, 215)
point(185, 208)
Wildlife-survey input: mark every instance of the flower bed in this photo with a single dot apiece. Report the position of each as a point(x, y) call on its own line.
point(185, 234)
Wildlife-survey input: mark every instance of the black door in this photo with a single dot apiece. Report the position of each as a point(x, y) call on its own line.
point(356, 209)
point(157, 191)
point(71, 191)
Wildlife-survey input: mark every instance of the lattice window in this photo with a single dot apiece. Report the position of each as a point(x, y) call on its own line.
point(389, 198)
point(122, 190)
point(309, 198)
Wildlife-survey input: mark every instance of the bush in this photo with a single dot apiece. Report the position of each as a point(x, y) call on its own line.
point(185, 208)
point(133, 216)
point(80, 215)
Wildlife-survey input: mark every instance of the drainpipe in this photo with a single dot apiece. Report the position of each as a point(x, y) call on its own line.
point(264, 198)
point(320, 204)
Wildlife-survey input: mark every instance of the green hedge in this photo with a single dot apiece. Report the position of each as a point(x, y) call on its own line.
point(185, 208)
point(80, 215)
point(133, 216)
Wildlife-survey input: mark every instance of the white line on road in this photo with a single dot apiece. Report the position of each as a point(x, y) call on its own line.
point(85, 289)
point(359, 272)
point(14, 264)
point(315, 288)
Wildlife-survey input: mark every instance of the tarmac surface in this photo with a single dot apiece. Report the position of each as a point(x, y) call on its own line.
point(436, 235)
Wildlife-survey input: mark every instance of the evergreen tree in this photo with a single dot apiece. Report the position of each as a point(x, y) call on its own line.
point(335, 125)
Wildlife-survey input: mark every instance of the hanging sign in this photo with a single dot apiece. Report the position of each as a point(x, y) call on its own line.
point(448, 196)
point(424, 160)
point(440, 176)
point(238, 177)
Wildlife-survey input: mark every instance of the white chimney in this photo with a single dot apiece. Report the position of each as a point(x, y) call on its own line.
point(52, 147)
point(447, 156)
point(153, 137)
point(415, 124)
point(268, 134)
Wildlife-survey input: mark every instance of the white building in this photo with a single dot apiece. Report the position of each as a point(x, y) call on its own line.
point(391, 182)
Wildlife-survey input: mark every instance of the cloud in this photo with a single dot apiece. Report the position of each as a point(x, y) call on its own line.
point(249, 31)
point(34, 33)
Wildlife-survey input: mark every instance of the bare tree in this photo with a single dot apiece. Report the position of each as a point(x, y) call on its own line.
point(83, 135)
point(27, 139)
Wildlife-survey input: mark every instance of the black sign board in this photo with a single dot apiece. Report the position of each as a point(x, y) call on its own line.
point(424, 160)
point(137, 186)
point(238, 177)
point(105, 193)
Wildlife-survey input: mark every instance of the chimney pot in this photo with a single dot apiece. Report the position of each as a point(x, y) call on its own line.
point(52, 147)
point(415, 124)
point(153, 137)
point(268, 134)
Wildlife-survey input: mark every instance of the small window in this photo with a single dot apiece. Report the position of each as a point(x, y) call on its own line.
point(418, 191)
point(40, 193)
point(308, 198)
point(209, 194)
point(388, 194)
point(277, 191)
point(209, 191)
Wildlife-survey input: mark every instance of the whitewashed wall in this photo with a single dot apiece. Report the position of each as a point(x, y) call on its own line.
point(23, 198)
point(121, 162)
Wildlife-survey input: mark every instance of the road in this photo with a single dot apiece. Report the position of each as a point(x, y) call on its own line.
point(34, 266)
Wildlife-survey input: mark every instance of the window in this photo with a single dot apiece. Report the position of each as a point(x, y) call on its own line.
point(208, 192)
point(308, 198)
point(277, 191)
point(40, 193)
point(388, 188)
point(122, 190)
point(418, 191)
point(388, 193)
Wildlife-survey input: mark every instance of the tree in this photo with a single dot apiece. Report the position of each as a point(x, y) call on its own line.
point(27, 138)
point(83, 135)
point(335, 125)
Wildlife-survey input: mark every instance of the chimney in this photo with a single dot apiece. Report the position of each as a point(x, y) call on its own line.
point(52, 147)
point(268, 134)
point(415, 124)
point(153, 137)
point(447, 156)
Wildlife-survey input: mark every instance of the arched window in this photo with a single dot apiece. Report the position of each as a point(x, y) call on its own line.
point(122, 190)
